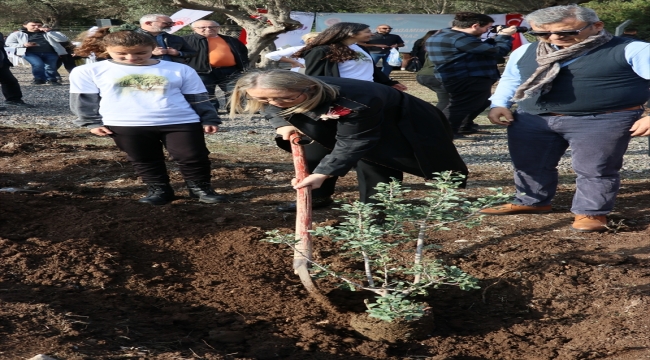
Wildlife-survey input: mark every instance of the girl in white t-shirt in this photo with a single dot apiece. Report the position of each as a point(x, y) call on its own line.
point(144, 105)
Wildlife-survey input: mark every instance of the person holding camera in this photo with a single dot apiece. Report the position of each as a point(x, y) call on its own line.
point(577, 87)
point(467, 66)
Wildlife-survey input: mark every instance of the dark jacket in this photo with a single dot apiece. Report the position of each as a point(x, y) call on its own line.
point(386, 127)
point(175, 42)
point(317, 65)
point(4, 59)
point(419, 51)
point(201, 63)
point(383, 39)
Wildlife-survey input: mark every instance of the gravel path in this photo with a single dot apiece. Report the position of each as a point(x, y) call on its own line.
point(487, 151)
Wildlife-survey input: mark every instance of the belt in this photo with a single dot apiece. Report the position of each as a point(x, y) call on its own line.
point(638, 107)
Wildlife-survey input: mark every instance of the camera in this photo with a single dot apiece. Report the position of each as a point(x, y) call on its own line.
point(497, 28)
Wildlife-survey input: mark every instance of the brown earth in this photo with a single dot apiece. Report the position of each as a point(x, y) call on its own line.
point(86, 272)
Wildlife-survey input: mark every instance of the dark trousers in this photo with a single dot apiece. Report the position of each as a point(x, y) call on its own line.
point(434, 84)
point(67, 61)
point(143, 146)
point(468, 98)
point(224, 78)
point(9, 83)
point(368, 174)
point(598, 143)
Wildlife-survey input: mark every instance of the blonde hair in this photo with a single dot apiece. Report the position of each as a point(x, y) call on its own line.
point(308, 36)
point(291, 81)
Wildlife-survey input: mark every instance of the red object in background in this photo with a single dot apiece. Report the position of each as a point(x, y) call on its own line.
point(242, 36)
point(515, 19)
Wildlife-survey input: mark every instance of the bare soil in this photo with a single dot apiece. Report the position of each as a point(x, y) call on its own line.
point(86, 272)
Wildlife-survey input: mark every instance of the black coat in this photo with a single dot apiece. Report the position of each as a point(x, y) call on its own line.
point(317, 65)
point(201, 63)
point(386, 127)
point(4, 59)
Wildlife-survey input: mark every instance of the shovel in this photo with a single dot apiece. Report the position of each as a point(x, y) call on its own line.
point(303, 250)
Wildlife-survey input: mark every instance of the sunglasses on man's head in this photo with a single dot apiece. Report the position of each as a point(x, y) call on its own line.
point(546, 34)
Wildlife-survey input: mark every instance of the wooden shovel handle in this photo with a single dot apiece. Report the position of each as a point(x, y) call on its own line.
point(303, 216)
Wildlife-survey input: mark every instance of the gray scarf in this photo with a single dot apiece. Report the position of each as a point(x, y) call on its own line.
point(549, 60)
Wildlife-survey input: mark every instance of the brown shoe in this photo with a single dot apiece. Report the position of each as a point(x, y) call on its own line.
point(514, 209)
point(590, 223)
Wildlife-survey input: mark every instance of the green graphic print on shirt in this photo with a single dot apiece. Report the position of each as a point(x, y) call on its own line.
point(142, 82)
point(362, 57)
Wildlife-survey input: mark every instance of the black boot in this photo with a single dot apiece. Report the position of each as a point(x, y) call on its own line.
point(316, 203)
point(204, 192)
point(159, 194)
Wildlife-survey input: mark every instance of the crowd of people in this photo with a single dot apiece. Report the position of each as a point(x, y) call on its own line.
point(577, 86)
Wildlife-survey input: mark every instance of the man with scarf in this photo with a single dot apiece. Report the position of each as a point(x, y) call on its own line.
point(580, 87)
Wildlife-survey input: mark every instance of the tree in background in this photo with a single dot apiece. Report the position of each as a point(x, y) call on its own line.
point(262, 31)
point(77, 13)
point(613, 13)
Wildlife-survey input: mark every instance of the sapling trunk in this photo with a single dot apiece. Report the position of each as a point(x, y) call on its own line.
point(302, 254)
point(362, 238)
point(419, 248)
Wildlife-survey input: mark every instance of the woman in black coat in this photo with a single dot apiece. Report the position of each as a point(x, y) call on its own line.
point(380, 131)
point(334, 52)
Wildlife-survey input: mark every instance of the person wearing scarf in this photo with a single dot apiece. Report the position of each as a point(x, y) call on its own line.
point(579, 87)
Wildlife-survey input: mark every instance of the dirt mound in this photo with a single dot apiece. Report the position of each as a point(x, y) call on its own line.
point(86, 272)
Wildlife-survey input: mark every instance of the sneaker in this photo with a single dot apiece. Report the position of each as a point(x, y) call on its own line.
point(514, 209)
point(53, 82)
point(18, 103)
point(589, 223)
point(38, 82)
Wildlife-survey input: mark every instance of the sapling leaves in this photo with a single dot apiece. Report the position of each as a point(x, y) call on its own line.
point(378, 234)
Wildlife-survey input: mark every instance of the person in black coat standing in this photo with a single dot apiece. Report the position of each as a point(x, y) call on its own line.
point(380, 131)
point(220, 60)
point(10, 85)
point(335, 52)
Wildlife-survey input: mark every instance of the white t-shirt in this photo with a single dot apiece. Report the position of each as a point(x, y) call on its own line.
point(361, 68)
point(139, 95)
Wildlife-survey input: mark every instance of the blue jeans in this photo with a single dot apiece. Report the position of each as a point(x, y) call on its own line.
point(43, 64)
point(598, 143)
point(385, 68)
